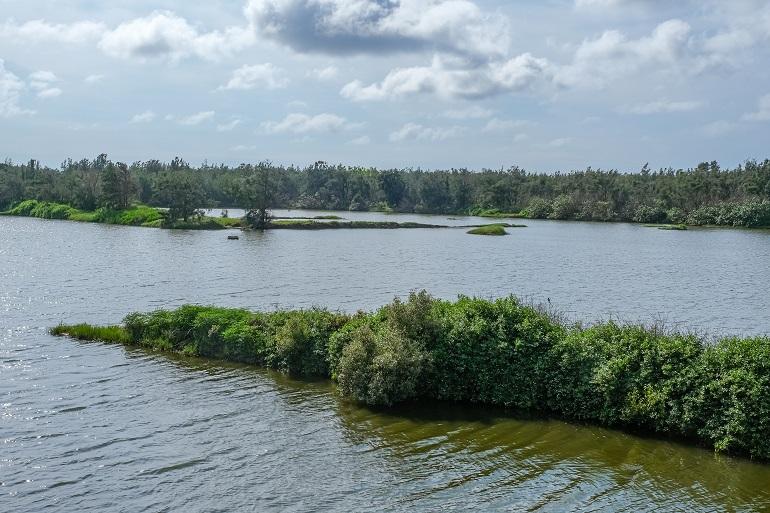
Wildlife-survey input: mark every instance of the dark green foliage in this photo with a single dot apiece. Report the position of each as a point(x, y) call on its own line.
point(704, 195)
point(491, 352)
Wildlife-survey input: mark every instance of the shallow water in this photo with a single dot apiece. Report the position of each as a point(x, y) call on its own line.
point(91, 427)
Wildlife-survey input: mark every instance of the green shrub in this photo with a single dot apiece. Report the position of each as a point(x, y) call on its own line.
point(497, 352)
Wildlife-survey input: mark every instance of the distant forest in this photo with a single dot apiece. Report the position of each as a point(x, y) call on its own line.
point(704, 195)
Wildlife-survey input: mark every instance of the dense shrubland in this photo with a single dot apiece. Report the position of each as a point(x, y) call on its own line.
point(706, 194)
point(498, 352)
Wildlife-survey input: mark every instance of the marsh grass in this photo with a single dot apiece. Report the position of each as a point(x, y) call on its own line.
point(114, 334)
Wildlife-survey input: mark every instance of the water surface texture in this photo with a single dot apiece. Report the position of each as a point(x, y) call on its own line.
point(92, 427)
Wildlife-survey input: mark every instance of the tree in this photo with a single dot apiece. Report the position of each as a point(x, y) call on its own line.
point(118, 186)
point(181, 193)
point(258, 195)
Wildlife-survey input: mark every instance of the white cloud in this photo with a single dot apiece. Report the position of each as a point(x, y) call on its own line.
point(662, 106)
point(504, 125)
point(360, 26)
point(197, 119)
point(560, 142)
point(473, 112)
point(297, 123)
point(145, 117)
point(41, 31)
point(243, 147)
point(417, 132)
point(163, 34)
point(719, 128)
point(296, 104)
point(228, 127)
point(42, 82)
point(763, 111)
point(514, 75)
point(93, 79)
point(613, 55)
point(265, 75)
point(361, 141)
point(323, 74)
point(50, 92)
point(10, 93)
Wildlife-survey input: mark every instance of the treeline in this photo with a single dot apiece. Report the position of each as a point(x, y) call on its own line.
point(706, 194)
point(495, 353)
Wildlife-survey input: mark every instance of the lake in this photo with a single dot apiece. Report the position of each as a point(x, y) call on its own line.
point(92, 427)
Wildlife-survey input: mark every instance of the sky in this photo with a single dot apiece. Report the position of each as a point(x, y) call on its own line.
point(546, 85)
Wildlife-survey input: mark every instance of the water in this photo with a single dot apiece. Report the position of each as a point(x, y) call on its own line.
point(91, 427)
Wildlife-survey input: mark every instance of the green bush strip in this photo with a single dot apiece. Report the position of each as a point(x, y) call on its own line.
point(499, 352)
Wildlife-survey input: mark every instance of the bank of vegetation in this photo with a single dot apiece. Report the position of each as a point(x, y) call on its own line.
point(704, 195)
point(500, 352)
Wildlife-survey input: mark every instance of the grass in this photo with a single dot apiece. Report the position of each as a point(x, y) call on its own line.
point(714, 393)
point(490, 229)
point(137, 215)
point(113, 334)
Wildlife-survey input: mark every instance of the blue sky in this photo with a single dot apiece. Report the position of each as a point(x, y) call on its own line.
point(547, 85)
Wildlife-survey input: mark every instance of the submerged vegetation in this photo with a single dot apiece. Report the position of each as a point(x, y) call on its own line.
point(499, 352)
point(703, 195)
point(490, 229)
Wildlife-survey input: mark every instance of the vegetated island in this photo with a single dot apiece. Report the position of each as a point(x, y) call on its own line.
point(143, 215)
point(705, 195)
point(501, 352)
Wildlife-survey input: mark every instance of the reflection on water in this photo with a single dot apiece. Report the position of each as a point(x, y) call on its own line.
point(92, 427)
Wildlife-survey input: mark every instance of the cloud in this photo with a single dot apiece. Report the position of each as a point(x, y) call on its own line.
point(297, 123)
point(197, 119)
point(50, 92)
point(514, 75)
point(327, 73)
point(417, 132)
point(265, 75)
point(763, 111)
point(613, 55)
point(719, 128)
point(39, 31)
point(42, 82)
point(228, 127)
point(145, 117)
point(504, 125)
point(662, 106)
point(93, 79)
point(361, 141)
point(164, 35)
point(560, 142)
point(473, 112)
point(379, 26)
point(11, 88)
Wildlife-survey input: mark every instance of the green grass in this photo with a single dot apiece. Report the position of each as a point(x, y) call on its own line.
point(715, 393)
point(137, 215)
point(329, 217)
point(115, 334)
point(490, 229)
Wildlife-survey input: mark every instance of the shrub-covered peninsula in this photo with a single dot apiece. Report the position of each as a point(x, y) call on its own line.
point(502, 352)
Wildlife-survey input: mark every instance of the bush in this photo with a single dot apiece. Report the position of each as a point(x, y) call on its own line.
point(491, 352)
point(538, 209)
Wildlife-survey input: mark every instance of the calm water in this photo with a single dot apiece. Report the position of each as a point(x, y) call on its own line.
point(90, 427)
